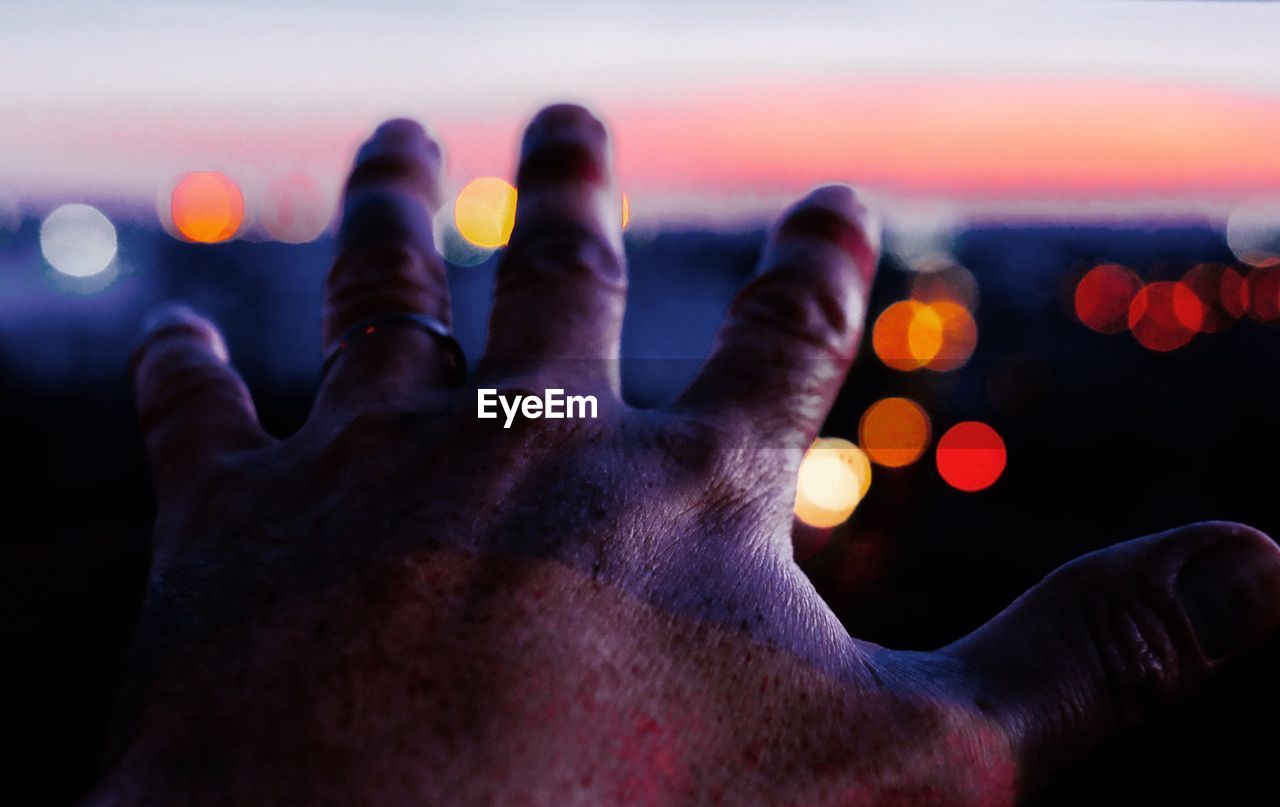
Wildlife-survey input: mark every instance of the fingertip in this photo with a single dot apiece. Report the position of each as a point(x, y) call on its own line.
point(1230, 589)
point(399, 154)
point(405, 131)
point(564, 121)
point(176, 320)
point(835, 214)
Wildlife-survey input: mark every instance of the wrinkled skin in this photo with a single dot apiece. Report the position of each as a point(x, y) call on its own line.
point(405, 604)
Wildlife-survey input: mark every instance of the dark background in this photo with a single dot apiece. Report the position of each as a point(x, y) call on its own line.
point(1106, 440)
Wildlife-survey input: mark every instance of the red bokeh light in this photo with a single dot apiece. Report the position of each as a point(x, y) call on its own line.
point(1103, 296)
point(1222, 295)
point(1164, 316)
point(971, 456)
point(1263, 293)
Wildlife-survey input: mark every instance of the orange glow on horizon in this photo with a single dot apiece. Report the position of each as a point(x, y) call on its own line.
point(967, 137)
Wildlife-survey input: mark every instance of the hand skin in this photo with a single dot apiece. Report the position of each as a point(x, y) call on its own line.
point(403, 604)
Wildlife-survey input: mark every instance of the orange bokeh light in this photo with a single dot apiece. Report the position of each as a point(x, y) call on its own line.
point(626, 211)
point(971, 456)
point(206, 207)
point(1165, 315)
point(890, 337)
point(957, 335)
point(911, 334)
point(1103, 297)
point(894, 432)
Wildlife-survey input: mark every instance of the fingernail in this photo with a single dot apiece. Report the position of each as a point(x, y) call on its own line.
point(1231, 594)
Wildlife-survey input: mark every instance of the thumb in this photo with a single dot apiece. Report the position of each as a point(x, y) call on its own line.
point(1110, 636)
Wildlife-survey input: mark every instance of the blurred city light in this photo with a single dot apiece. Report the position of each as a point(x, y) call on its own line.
point(894, 432)
point(971, 456)
point(626, 211)
point(485, 212)
point(206, 207)
point(294, 209)
point(78, 240)
point(910, 335)
point(946, 335)
point(946, 280)
point(891, 336)
point(1222, 294)
point(1253, 230)
point(1263, 291)
point(1103, 297)
point(834, 477)
point(923, 241)
point(1164, 316)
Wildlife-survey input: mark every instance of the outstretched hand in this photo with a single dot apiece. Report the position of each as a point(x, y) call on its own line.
point(405, 603)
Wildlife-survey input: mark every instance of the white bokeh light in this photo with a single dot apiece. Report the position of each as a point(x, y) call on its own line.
point(77, 240)
point(1253, 230)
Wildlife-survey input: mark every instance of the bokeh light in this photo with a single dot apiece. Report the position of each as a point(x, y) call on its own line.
point(1222, 293)
point(922, 240)
point(485, 212)
point(834, 477)
point(626, 211)
point(1164, 316)
point(891, 336)
point(945, 280)
point(1103, 297)
point(206, 207)
point(971, 456)
point(1263, 291)
point(1253, 230)
point(78, 240)
point(894, 432)
point(294, 209)
point(943, 336)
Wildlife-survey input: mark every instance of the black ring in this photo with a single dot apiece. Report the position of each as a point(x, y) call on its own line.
point(423, 322)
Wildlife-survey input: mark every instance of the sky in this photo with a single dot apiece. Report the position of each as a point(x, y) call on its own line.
point(717, 108)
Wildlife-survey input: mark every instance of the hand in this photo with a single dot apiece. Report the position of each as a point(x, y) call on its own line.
point(404, 603)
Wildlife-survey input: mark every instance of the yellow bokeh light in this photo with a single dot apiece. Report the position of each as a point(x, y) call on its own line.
point(626, 211)
point(206, 207)
point(894, 432)
point(485, 212)
point(834, 477)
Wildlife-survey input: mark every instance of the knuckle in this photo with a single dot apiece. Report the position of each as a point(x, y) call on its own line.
point(177, 383)
point(567, 253)
point(372, 216)
point(804, 303)
point(381, 279)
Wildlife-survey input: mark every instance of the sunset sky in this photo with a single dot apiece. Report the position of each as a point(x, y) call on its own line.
point(715, 108)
